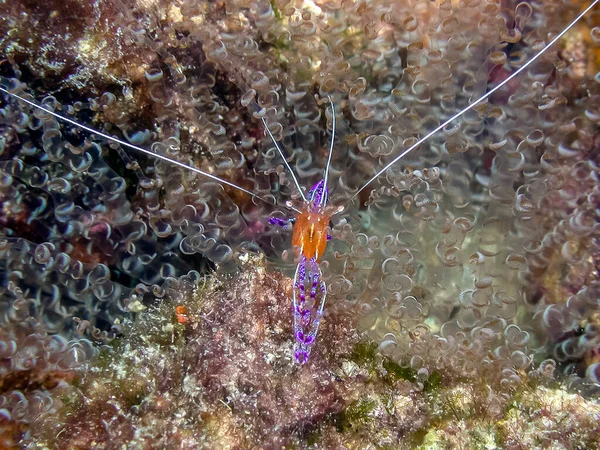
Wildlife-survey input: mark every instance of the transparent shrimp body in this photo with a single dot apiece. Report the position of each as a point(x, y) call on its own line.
point(309, 291)
point(309, 239)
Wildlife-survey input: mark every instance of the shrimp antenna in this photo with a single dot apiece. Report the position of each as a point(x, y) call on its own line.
point(136, 148)
point(324, 196)
point(478, 101)
point(284, 159)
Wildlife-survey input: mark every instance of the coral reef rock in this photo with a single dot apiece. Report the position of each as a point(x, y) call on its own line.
point(143, 304)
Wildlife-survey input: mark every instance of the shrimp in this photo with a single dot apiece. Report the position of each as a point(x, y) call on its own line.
point(312, 217)
point(310, 240)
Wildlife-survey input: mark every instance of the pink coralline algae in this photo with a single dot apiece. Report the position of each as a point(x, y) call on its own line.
point(462, 283)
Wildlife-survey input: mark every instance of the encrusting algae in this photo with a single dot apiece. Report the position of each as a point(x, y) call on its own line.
point(145, 305)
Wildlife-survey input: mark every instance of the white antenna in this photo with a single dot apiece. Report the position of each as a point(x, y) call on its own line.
point(136, 148)
point(284, 160)
point(481, 99)
point(324, 196)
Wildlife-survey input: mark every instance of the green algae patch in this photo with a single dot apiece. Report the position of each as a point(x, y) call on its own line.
point(356, 415)
point(364, 353)
point(398, 372)
point(433, 382)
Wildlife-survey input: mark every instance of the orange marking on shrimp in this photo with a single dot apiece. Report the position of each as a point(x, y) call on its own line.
point(310, 234)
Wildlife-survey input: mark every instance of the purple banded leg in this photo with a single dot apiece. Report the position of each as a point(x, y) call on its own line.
point(315, 280)
point(307, 312)
point(300, 279)
point(280, 222)
point(299, 308)
point(318, 313)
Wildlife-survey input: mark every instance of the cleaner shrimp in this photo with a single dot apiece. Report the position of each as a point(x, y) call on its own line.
point(312, 215)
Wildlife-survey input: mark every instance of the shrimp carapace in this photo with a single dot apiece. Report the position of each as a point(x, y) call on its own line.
point(310, 228)
point(310, 234)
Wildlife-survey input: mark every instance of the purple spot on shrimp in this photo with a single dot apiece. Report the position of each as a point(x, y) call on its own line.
point(302, 268)
point(278, 221)
point(301, 356)
point(300, 311)
point(317, 192)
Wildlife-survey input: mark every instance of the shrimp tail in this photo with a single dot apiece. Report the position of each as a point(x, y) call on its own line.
point(309, 293)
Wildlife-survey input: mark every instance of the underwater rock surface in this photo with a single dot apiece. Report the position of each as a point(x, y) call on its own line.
point(145, 306)
point(210, 378)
